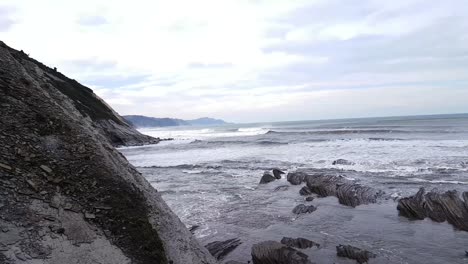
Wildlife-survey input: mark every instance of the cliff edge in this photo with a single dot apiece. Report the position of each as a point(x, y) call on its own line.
point(67, 195)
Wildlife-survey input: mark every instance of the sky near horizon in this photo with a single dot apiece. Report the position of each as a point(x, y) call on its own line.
point(253, 60)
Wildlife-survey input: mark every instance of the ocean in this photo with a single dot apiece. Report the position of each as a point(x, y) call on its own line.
point(210, 176)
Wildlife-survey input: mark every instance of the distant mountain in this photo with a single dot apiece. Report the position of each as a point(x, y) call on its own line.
point(205, 121)
point(145, 121)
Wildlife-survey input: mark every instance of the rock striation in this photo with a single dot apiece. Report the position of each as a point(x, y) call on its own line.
point(272, 252)
point(348, 192)
point(299, 242)
point(360, 255)
point(220, 249)
point(67, 195)
point(438, 206)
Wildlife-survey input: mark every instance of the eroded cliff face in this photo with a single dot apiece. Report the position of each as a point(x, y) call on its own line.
point(66, 194)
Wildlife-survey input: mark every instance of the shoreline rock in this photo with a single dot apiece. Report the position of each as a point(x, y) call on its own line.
point(347, 251)
point(437, 206)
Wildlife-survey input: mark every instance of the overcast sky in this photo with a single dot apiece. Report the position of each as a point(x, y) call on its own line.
point(257, 60)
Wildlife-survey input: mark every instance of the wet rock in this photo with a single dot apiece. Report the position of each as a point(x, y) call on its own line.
point(4, 166)
point(46, 169)
point(342, 162)
point(305, 191)
point(266, 178)
point(277, 173)
point(296, 178)
point(32, 185)
point(347, 192)
point(272, 252)
point(466, 253)
point(304, 209)
point(356, 194)
point(439, 207)
point(299, 242)
point(220, 249)
point(21, 256)
point(347, 251)
point(309, 199)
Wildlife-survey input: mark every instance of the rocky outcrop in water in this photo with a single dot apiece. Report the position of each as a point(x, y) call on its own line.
point(67, 195)
point(220, 249)
point(296, 178)
point(347, 251)
point(438, 206)
point(267, 178)
point(347, 192)
point(299, 242)
point(272, 252)
point(342, 162)
point(277, 173)
point(304, 209)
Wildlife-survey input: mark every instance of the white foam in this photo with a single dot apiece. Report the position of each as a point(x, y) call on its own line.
point(203, 133)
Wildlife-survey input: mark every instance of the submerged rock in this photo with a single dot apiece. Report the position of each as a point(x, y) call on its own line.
point(266, 178)
point(304, 209)
point(309, 199)
point(220, 249)
point(281, 188)
point(347, 251)
point(342, 162)
point(299, 242)
point(272, 252)
point(439, 207)
point(277, 173)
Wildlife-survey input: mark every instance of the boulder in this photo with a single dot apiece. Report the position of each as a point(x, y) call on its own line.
point(299, 242)
point(342, 162)
point(277, 173)
point(266, 178)
point(309, 199)
point(304, 209)
point(220, 249)
point(272, 252)
point(347, 251)
point(439, 207)
point(296, 178)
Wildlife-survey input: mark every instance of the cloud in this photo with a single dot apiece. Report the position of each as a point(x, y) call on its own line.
point(92, 21)
point(256, 60)
point(6, 20)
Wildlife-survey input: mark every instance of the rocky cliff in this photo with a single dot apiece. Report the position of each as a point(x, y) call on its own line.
point(66, 194)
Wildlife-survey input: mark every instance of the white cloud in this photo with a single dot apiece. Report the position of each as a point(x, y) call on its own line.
point(246, 60)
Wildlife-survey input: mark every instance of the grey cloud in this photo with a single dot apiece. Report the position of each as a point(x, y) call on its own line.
point(93, 20)
point(115, 81)
point(6, 20)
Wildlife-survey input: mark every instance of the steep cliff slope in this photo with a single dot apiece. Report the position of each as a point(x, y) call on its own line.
point(104, 118)
point(66, 194)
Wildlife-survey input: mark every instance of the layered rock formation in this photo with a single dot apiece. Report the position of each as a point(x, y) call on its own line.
point(438, 206)
point(67, 196)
